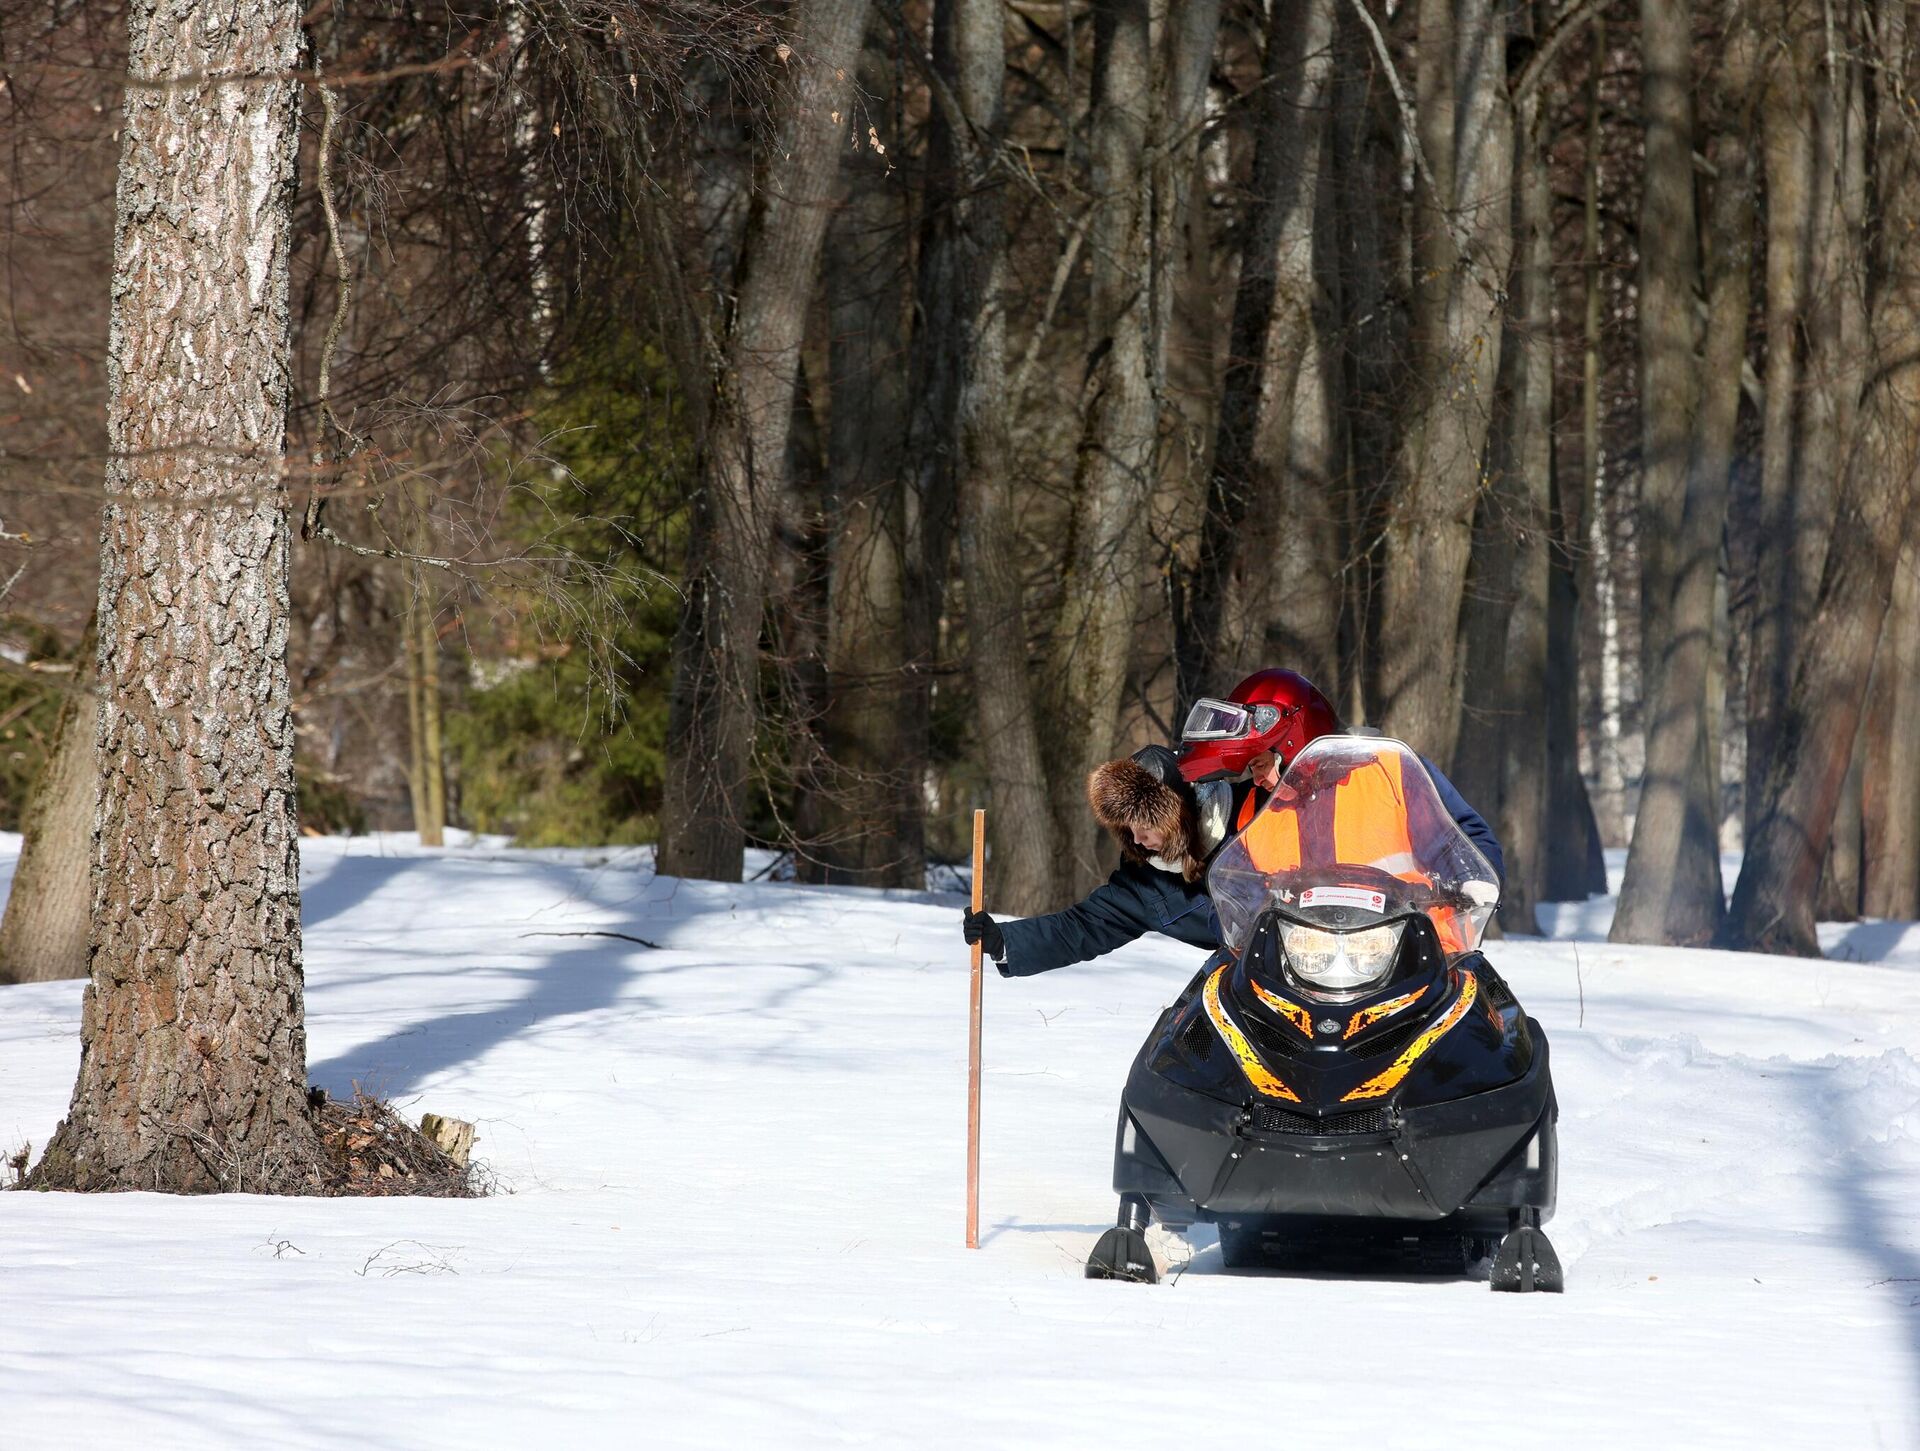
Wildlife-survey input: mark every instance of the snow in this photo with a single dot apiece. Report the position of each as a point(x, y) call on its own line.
point(731, 1206)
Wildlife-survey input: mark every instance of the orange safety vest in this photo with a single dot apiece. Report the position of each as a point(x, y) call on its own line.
point(1369, 824)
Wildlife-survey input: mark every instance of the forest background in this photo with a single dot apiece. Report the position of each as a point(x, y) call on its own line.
point(798, 424)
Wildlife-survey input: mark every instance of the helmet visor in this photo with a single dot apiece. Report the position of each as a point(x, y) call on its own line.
point(1216, 720)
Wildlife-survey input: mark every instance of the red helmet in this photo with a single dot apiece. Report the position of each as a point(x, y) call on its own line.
point(1271, 710)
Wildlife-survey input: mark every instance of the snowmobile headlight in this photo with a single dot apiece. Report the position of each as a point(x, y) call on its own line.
point(1341, 962)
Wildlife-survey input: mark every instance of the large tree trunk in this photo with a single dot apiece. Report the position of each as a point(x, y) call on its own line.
point(1269, 543)
point(1574, 866)
point(1465, 126)
point(1669, 274)
point(43, 936)
point(1525, 481)
point(969, 253)
point(1672, 891)
point(1832, 279)
point(1774, 898)
point(193, 1041)
point(712, 707)
point(1102, 581)
point(872, 822)
point(1786, 138)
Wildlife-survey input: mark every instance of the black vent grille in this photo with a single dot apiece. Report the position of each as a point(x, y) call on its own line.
point(1498, 993)
point(1275, 1040)
point(1270, 1120)
point(1391, 1041)
point(1197, 1038)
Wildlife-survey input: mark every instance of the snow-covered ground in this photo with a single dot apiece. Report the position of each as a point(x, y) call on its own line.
point(732, 1214)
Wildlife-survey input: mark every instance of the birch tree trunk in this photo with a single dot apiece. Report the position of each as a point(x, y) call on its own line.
point(193, 1042)
point(43, 936)
point(712, 708)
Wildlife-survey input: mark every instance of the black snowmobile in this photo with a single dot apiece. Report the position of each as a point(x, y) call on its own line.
point(1349, 1083)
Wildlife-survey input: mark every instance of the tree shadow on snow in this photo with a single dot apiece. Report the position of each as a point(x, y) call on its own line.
point(566, 983)
point(349, 882)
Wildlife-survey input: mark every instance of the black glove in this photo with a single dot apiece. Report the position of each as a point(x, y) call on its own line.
point(979, 927)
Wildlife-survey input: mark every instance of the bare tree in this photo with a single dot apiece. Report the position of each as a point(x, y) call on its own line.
point(1672, 891)
point(743, 456)
point(1773, 901)
point(193, 1041)
point(1269, 549)
point(1462, 246)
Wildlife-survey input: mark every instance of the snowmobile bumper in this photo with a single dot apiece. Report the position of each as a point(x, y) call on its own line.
point(1475, 1161)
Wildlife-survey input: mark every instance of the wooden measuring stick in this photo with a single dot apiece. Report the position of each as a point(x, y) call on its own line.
point(973, 1041)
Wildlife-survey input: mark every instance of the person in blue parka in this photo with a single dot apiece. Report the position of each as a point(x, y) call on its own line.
point(1169, 827)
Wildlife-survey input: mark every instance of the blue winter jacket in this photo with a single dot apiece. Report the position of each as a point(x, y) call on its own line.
point(1138, 899)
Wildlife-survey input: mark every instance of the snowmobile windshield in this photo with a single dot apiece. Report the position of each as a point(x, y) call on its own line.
point(1354, 836)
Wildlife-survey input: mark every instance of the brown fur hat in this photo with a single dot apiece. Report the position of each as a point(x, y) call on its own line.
point(1132, 790)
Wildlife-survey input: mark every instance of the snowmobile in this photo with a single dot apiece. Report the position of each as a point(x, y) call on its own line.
point(1348, 1083)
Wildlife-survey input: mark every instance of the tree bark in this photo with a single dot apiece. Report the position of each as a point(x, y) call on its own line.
point(1669, 277)
point(1786, 138)
point(1465, 124)
point(1574, 866)
point(193, 1041)
point(969, 252)
point(1134, 97)
point(43, 936)
point(1525, 482)
point(1774, 898)
point(428, 783)
point(1892, 800)
point(1671, 891)
point(1838, 896)
point(712, 708)
point(872, 822)
point(1268, 546)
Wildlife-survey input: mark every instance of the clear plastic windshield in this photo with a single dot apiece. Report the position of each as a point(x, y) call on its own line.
point(1355, 834)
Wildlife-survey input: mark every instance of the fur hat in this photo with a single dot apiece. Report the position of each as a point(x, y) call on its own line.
point(1144, 788)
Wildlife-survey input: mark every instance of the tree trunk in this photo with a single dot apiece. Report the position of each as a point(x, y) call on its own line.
point(428, 783)
point(1134, 97)
point(1573, 866)
point(43, 936)
point(1268, 546)
point(1786, 137)
point(193, 1040)
point(1526, 483)
point(970, 250)
point(1838, 898)
point(712, 706)
point(871, 825)
point(1672, 891)
point(1774, 898)
point(1669, 274)
point(1892, 801)
point(1465, 123)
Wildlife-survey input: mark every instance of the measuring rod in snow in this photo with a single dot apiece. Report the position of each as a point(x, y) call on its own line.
point(973, 1041)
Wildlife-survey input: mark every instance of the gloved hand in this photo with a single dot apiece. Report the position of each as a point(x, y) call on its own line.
point(979, 927)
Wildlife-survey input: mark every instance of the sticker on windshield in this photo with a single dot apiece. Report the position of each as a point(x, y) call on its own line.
point(1344, 897)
